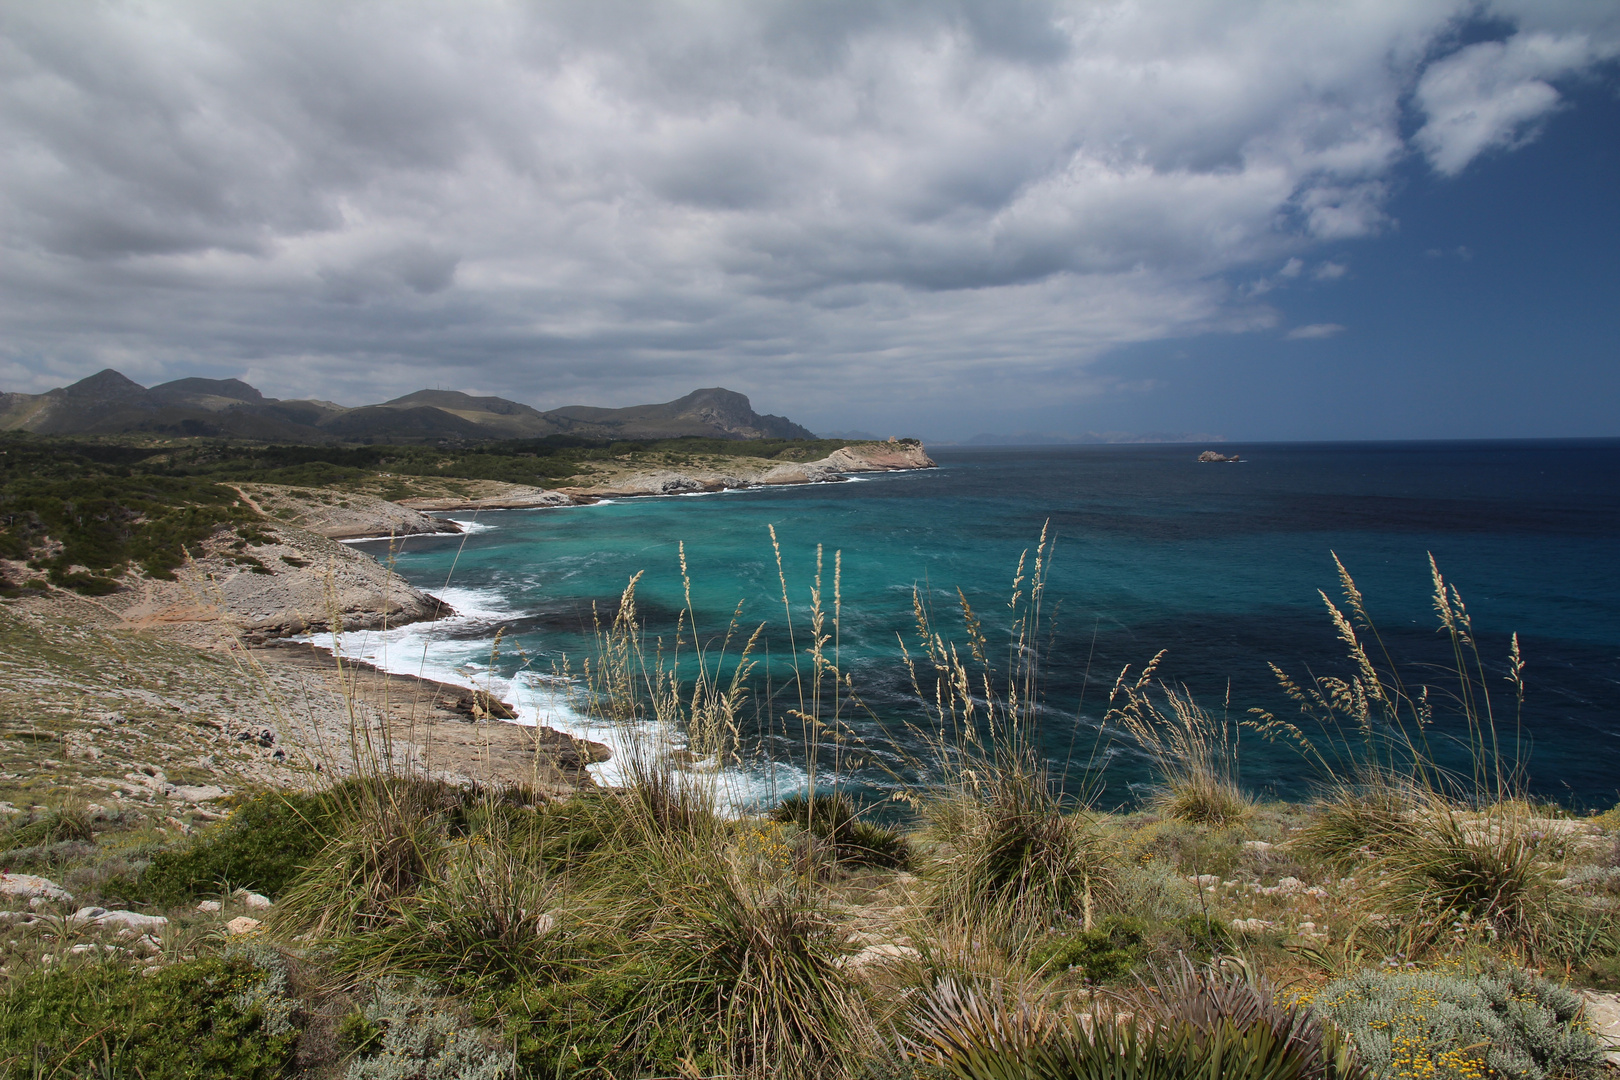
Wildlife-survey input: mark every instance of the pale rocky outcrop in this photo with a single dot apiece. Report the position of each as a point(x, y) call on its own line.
point(859, 458)
point(881, 953)
point(133, 921)
point(296, 582)
point(502, 497)
point(340, 515)
point(879, 457)
point(1603, 1013)
point(30, 887)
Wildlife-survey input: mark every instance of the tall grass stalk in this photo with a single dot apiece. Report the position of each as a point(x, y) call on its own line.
point(679, 724)
point(1196, 755)
point(1376, 729)
point(1018, 852)
point(1458, 851)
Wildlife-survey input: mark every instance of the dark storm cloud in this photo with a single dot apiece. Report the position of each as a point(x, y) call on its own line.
point(621, 200)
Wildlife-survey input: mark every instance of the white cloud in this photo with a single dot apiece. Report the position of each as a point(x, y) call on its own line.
point(1315, 330)
point(1330, 271)
point(614, 199)
point(1492, 95)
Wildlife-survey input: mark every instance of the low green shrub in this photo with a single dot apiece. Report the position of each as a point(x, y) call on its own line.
point(1188, 849)
point(1429, 1024)
point(1602, 973)
point(1206, 936)
point(210, 1018)
point(263, 846)
point(1153, 890)
point(598, 1027)
point(1103, 954)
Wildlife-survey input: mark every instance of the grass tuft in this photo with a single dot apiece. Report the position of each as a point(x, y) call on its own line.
point(1195, 754)
point(832, 816)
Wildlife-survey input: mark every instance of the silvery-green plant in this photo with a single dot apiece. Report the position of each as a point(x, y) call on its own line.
point(1445, 1026)
point(422, 1038)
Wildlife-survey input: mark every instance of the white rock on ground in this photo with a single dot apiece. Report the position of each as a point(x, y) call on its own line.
point(1252, 926)
point(251, 900)
point(886, 953)
point(242, 925)
point(1603, 1013)
point(29, 887)
point(195, 794)
point(121, 920)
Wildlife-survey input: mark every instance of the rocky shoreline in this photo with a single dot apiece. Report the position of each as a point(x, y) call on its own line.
point(243, 592)
point(177, 715)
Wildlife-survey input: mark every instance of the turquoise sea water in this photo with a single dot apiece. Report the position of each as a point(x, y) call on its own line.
point(1218, 563)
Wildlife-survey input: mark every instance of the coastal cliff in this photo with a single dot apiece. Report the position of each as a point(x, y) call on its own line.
point(288, 581)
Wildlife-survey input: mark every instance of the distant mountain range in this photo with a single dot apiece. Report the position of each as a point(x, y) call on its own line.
point(107, 403)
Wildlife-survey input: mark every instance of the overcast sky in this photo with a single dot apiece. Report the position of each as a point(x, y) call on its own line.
point(1356, 218)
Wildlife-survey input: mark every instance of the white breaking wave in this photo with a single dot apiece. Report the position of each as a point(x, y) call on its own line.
point(444, 651)
point(453, 651)
point(471, 527)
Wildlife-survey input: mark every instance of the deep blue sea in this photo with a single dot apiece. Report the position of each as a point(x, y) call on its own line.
point(1220, 564)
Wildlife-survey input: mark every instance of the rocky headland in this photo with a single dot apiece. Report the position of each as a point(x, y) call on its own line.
point(340, 515)
point(286, 581)
point(737, 473)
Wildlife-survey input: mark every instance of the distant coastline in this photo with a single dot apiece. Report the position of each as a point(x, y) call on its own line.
point(897, 456)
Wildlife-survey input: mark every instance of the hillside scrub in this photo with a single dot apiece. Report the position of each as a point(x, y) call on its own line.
point(519, 461)
point(591, 940)
point(85, 523)
point(262, 846)
point(213, 1016)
